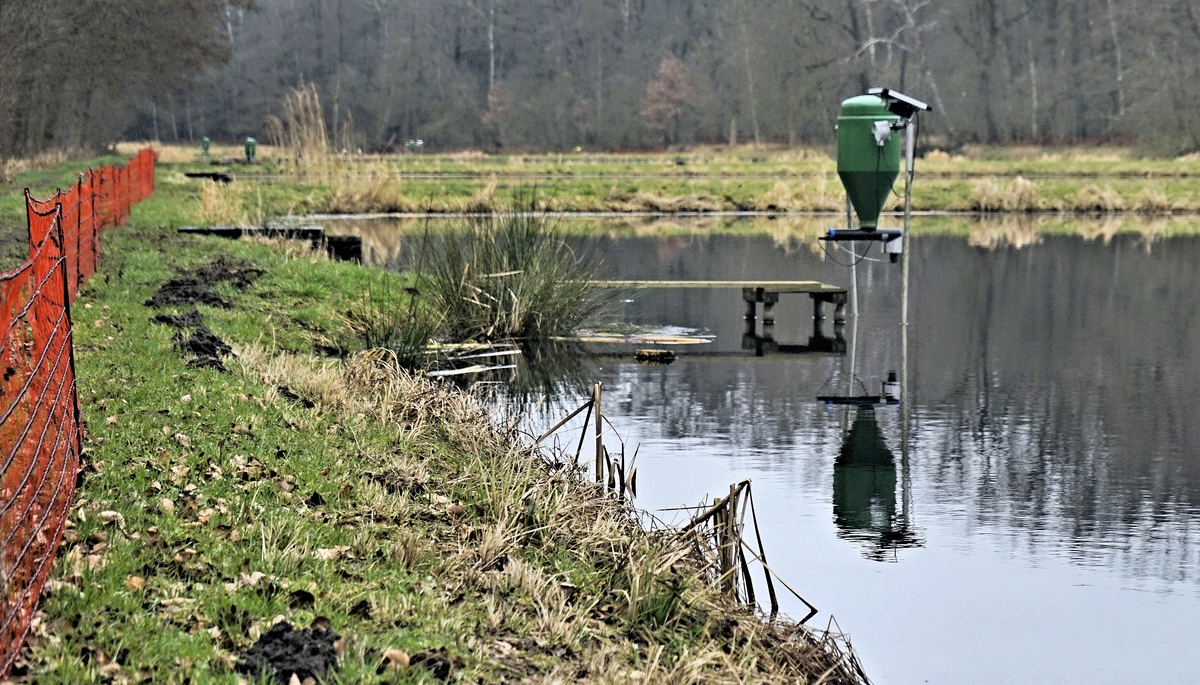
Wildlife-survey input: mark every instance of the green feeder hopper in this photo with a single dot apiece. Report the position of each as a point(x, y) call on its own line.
point(868, 155)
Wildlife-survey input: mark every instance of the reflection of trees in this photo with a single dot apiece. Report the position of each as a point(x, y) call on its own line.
point(1055, 384)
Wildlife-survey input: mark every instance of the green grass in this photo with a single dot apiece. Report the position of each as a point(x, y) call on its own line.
point(711, 179)
point(211, 504)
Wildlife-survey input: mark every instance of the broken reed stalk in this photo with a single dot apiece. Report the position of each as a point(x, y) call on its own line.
point(722, 541)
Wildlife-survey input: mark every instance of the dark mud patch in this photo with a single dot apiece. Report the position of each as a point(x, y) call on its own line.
point(196, 286)
point(283, 652)
point(202, 348)
point(438, 661)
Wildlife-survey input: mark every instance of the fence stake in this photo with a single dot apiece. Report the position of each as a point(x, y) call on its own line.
point(599, 435)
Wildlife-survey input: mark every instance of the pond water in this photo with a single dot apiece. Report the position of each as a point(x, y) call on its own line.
point(1030, 513)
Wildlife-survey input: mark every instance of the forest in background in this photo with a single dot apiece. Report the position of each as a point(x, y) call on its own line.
point(503, 75)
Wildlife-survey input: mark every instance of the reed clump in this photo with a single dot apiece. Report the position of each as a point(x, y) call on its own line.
point(231, 204)
point(653, 202)
point(1092, 198)
point(809, 196)
point(1153, 201)
point(371, 192)
point(394, 320)
point(509, 276)
point(302, 132)
point(989, 195)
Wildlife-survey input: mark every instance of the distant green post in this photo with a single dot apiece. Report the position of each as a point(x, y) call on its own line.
point(251, 148)
point(204, 144)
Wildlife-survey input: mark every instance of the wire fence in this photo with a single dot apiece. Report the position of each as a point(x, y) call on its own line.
point(40, 434)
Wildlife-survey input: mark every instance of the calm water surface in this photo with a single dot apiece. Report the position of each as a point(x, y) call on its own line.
point(1040, 524)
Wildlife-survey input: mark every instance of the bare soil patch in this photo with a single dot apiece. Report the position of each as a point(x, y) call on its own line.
point(282, 652)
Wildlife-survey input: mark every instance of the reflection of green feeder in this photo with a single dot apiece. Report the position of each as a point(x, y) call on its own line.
point(864, 490)
point(251, 148)
point(868, 155)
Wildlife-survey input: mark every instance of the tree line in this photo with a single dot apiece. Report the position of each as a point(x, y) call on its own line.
point(598, 74)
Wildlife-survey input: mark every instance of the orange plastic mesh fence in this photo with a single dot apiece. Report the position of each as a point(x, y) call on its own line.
point(39, 410)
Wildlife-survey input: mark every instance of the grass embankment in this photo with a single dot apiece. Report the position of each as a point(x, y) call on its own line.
point(343, 494)
point(979, 179)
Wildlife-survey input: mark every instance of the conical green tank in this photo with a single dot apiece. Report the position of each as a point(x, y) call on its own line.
point(867, 169)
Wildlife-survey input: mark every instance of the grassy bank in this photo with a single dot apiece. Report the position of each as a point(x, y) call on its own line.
point(341, 494)
point(983, 179)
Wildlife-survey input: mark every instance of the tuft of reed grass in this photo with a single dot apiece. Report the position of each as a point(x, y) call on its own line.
point(484, 201)
point(810, 196)
point(302, 132)
point(366, 194)
point(1153, 201)
point(510, 276)
point(654, 202)
point(1092, 198)
point(989, 195)
point(395, 322)
point(231, 204)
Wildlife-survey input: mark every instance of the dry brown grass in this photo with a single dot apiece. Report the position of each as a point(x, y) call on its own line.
point(231, 204)
point(809, 195)
point(1092, 198)
point(484, 201)
point(367, 194)
point(302, 134)
point(190, 153)
point(648, 612)
point(1153, 200)
point(654, 202)
point(9, 168)
point(991, 195)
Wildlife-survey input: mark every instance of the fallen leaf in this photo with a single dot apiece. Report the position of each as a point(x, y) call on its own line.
point(186, 399)
point(135, 583)
point(108, 516)
point(100, 323)
point(183, 440)
point(394, 660)
point(112, 420)
point(331, 553)
point(168, 505)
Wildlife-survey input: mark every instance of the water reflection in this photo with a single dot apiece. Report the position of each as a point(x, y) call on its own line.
point(1053, 450)
point(865, 480)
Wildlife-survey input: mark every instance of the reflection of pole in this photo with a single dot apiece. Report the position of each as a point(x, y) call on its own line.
point(905, 248)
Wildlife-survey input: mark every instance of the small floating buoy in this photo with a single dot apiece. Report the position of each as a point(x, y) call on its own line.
point(654, 356)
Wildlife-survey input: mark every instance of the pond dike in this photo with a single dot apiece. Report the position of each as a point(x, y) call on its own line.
point(386, 518)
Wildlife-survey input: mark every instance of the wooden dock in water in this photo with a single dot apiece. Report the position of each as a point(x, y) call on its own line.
point(767, 294)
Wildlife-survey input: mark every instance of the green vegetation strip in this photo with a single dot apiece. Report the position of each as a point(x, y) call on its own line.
point(347, 495)
point(989, 180)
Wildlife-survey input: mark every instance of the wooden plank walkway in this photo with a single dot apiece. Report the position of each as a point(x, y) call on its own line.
point(766, 294)
point(767, 286)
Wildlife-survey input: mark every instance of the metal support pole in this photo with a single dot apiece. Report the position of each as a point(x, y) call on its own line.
point(906, 248)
